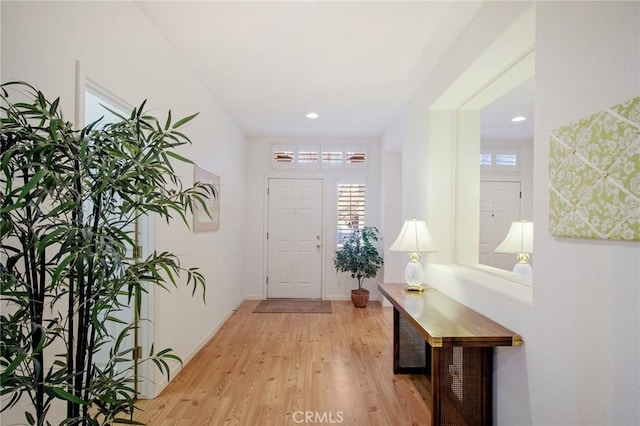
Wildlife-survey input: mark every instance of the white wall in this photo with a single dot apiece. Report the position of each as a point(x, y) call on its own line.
point(392, 219)
point(579, 364)
point(586, 292)
point(259, 170)
point(121, 51)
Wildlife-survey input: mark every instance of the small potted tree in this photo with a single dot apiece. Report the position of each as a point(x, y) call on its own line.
point(359, 257)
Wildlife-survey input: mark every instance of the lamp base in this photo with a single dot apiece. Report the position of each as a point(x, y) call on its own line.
point(414, 288)
point(523, 269)
point(414, 273)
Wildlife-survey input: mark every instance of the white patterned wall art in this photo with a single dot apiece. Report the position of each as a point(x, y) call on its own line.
point(201, 220)
point(594, 171)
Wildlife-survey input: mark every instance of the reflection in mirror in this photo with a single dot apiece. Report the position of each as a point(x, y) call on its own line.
point(506, 171)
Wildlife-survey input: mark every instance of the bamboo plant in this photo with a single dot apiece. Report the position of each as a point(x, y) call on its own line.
point(66, 268)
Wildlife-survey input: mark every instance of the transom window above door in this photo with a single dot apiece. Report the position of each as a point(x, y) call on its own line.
point(319, 156)
point(500, 160)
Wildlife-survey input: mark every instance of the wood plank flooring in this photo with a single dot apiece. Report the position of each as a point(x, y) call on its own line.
point(289, 369)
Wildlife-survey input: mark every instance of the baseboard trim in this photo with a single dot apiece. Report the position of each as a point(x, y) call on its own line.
point(176, 371)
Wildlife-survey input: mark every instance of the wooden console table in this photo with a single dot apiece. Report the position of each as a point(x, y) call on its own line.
point(453, 346)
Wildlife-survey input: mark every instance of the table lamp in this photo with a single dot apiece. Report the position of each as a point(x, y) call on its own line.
point(414, 239)
point(519, 240)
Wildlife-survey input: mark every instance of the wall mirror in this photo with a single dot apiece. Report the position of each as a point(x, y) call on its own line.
point(506, 171)
point(494, 168)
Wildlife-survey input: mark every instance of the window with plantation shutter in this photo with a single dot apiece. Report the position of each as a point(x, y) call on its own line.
point(486, 159)
point(282, 156)
point(331, 157)
point(507, 159)
point(500, 160)
point(351, 209)
point(356, 157)
point(308, 157)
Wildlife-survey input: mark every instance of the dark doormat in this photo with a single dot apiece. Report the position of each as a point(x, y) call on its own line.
point(302, 306)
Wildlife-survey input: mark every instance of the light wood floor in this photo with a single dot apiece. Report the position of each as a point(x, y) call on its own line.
point(271, 369)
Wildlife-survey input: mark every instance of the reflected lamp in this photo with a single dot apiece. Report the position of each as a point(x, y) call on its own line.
point(414, 238)
point(519, 241)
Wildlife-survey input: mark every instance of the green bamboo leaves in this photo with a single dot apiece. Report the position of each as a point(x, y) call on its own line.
point(68, 198)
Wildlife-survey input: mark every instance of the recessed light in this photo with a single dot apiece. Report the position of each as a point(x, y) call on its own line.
point(518, 118)
point(312, 115)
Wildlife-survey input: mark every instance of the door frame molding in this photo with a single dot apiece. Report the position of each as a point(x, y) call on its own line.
point(144, 335)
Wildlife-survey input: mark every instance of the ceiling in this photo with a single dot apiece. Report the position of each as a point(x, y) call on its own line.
point(356, 64)
point(496, 117)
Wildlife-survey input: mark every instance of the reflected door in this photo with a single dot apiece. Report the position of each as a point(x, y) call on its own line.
point(499, 206)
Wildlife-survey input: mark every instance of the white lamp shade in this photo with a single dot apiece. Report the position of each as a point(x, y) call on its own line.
point(414, 238)
point(519, 239)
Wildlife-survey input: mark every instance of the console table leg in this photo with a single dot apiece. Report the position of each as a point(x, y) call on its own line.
point(396, 341)
point(435, 386)
point(487, 380)
point(461, 385)
point(411, 352)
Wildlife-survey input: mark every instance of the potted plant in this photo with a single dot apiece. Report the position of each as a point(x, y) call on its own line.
point(67, 198)
point(359, 257)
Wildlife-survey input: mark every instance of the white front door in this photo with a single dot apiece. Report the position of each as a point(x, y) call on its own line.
point(294, 239)
point(499, 206)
